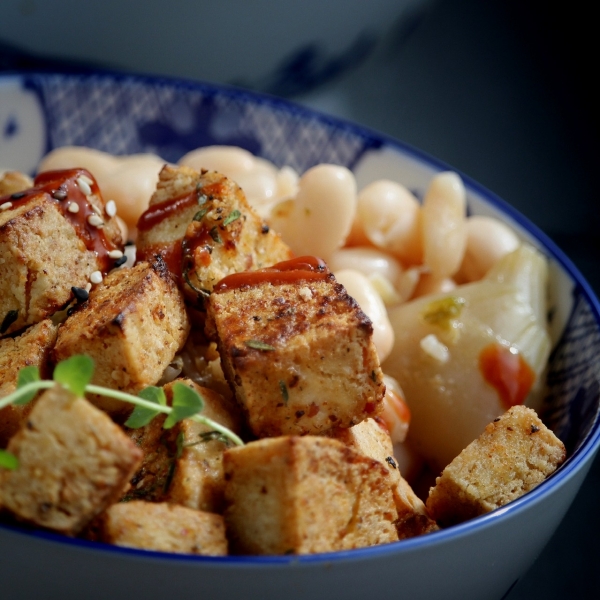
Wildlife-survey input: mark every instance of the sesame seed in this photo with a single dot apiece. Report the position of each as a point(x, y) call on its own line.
point(80, 294)
point(96, 210)
point(96, 277)
point(59, 194)
point(84, 186)
point(6, 206)
point(111, 208)
point(95, 221)
point(18, 195)
point(115, 254)
point(86, 179)
point(88, 287)
point(73, 207)
point(120, 261)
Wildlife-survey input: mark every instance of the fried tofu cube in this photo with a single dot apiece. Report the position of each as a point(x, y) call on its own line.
point(164, 527)
point(198, 480)
point(302, 495)
point(203, 226)
point(371, 439)
point(73, 463)
point(299, 354)
point(132, 326)
point(52, 238)
point(514, 454)
point(30, 348)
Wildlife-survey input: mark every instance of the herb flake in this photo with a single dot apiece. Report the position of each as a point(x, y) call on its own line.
point(284, 391)
point(214, 234)
point(233, 216)
point(258, 345)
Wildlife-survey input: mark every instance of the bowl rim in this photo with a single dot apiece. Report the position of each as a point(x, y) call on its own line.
point(574, 463)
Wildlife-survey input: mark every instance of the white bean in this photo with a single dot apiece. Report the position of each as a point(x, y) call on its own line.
point(390, 217)
point(444, 224)
point(367, 261)
point(428, 284)
point(361, 289)
point(318, 220)
point(488, 240)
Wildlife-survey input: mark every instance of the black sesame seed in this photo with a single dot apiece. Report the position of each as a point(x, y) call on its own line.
point(496, 419)
point(18, 195)
point(391, 462)
point(59, 194)
point(80, 294)
point(129, 243)
point(265, 229)
point(120, 261)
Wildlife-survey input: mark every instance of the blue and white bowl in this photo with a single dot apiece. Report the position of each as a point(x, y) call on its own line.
point(482, 558)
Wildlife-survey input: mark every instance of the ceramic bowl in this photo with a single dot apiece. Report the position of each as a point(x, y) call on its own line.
point(482, 558)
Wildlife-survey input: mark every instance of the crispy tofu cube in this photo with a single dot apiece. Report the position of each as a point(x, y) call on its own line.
point(73, 463)
point(198, 479)
point(132, 326)
point(513, 455)
point(413, 518)
point(202, 224)
point(299, 355)
point(30, 348)
point(301, 495)
point(164, 527)
point(48, 245)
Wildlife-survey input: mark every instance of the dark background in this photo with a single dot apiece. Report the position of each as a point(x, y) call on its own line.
point(503, 92)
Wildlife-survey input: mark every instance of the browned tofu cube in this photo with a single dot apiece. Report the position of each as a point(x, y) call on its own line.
point(131, 326)
point(30, 348)
point(198, 479)
point(73, 463)
point(164, 527)
point(203, 226)
point(52, 237)
point(302, 495)
point(513, 455)
point(296, 349)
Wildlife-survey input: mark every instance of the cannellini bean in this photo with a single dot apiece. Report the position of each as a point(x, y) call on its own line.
point(361, 289)
point(128, 180)
point(257, 177)
point(428, 284)
point(287, 183)
point(488, 240)
point(444, 224)
point(390, 217)
point(395, 413)
point(318, 220)
point(365, 260)
point(408, 281)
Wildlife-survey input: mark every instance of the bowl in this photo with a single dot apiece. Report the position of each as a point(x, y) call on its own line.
point(280, 47)
point(482, 558)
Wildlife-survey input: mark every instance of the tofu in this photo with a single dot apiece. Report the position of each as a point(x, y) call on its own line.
point(132, 326)
point(164, 527)
point(198, 479)
point(73, 463)
point(45, 249)
point(298, 354)
point(303, 495)
point(30, 348)
point(372, 440)
point(203, 226)
point(514, 454)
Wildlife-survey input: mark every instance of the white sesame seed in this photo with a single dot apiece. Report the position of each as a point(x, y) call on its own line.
point(6, 206)
point(95, 221)
point(115, 254)
point(73, 207)
point(84, 186)
point(111, 208)
point(86, 179)
point(96, 277)
point(88, 287)
point(434, 348)
point(96, 209)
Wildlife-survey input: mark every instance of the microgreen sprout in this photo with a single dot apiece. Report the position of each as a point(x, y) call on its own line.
point(75, 373)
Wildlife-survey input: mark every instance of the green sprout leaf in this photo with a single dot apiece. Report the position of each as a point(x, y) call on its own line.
point(8, 461)
point(258, 345)
point(186, 403)
point(29, 374)
point(75, 373)
point(142, 415)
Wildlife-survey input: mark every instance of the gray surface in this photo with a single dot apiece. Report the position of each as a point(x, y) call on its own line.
point(497, 90)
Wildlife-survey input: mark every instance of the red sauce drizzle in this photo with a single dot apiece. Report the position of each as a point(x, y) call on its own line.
point(158, 212)
point(63, 183)
point(303, 268)
point(507, 372)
